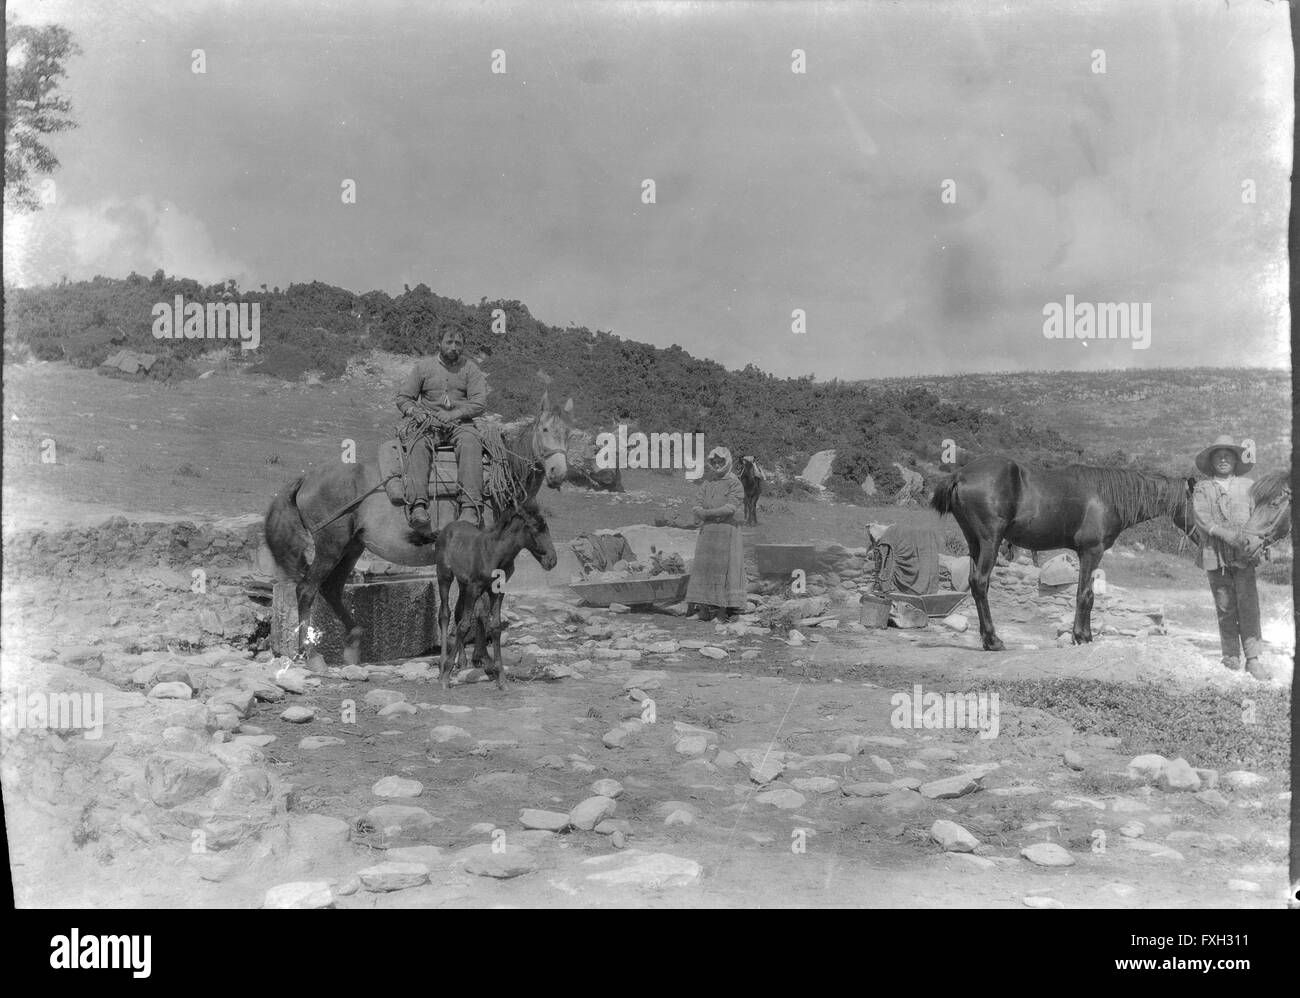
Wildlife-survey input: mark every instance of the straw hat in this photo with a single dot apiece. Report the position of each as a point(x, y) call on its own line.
point(1222, 442)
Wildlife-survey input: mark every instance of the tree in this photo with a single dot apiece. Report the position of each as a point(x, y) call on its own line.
point(35, 58)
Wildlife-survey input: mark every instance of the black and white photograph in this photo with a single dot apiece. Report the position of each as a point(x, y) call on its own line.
point(648, 455)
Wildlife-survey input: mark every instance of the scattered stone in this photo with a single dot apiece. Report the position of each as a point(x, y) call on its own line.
point(766, 770)
point(867, 789)
point(680, 817)
point(726, 759)
point(170, 691)
point(1242, 779)
point(175, 777)
point(444, 733)
point(299, 894)
point(1209, 778)
point(619, 608)
point(953, 837)
point(1212, 798)
point(1179, 775)
point(484, 860)
point(1245, 886)
point(713, 652)
point(550, 821)
point(397, 786)
point(550, 762)
point(1147, 767)
point(1047, 854)
point(391, 876)
point(1041, 902)
point(592, 811)
point(1073, 760)
point(355, 674)
point(785, 799)
point(607, 788)
point(391, 825)
point(815, 784)
point(692, 745)
point(955, 622)
point(297, 714)
point(883, 765)
point(952, 786)
point(1132, 829)
point(314, 742)
point(400, 708)
point(293, 680)
point(642, 869)
point(611, 825)
point(379, 699)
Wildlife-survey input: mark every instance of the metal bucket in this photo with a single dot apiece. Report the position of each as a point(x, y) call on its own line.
point(875, 611)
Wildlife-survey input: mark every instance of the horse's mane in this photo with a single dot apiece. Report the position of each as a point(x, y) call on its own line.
point(1269, 487)
point(1133, 495)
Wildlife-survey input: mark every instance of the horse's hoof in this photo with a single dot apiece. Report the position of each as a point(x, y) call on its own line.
point(995, 645)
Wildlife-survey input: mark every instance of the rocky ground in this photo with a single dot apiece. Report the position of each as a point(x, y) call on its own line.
point(637, 759)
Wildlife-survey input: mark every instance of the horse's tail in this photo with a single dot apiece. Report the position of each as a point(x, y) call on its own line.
point(287, 536)
point(944, 499)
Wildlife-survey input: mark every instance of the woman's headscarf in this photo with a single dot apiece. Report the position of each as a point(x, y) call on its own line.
point(719, 452)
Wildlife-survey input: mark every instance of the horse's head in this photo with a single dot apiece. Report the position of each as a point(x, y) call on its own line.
point(1271, 519)
point(551, 439)
point(536, 534)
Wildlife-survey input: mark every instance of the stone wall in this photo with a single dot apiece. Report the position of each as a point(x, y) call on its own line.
point(118, 544)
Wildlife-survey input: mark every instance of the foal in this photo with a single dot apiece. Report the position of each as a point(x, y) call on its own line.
point(482, 561)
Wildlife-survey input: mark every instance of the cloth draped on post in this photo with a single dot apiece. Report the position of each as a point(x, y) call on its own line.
point(909, 560)
point(718, 571)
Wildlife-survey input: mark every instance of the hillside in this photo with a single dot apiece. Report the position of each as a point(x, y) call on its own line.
point(1154, 418)
point(314, 330)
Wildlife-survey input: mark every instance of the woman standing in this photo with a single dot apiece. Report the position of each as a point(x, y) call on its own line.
point(1221, 505)
point(717, 583)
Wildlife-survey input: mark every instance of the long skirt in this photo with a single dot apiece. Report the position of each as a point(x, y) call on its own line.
point(718, 571)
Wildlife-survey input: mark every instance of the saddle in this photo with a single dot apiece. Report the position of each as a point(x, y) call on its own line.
point(444, 473)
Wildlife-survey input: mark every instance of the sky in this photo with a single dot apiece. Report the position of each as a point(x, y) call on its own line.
point(775, 191)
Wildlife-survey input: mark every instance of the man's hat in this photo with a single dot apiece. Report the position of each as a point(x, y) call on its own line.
point(1223, 442)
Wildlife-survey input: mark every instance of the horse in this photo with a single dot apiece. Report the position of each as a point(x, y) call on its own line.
point(319, 525)
point(751, 477)
point(474, 557)
point(1270, 520)
point(1079, 507)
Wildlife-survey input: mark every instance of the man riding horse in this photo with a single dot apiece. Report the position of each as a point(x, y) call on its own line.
point(439, 401)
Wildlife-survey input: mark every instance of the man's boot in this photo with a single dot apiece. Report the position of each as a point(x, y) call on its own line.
point(1258, 670)
point(420, 515)
point(1231, 664)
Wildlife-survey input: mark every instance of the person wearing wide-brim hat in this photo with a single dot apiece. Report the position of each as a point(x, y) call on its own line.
point(1221, 506)
point(717, 585)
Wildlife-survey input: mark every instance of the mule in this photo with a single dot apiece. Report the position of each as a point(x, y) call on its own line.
point(1078, 507)
point(751, 477)
point(319, 525)
point(481, 561)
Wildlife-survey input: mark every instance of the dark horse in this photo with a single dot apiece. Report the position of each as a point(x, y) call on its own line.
point(474, 557)
point(318, 526)
point(752, 480)
point(1078, 507)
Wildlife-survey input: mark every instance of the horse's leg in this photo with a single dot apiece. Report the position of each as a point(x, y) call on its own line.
point(444, 630)
point(984, 554)
point(1089, 558)
point(494, 624)
point(332, 590)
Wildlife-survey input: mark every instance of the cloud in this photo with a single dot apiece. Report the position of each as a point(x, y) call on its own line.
point(112, 237)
